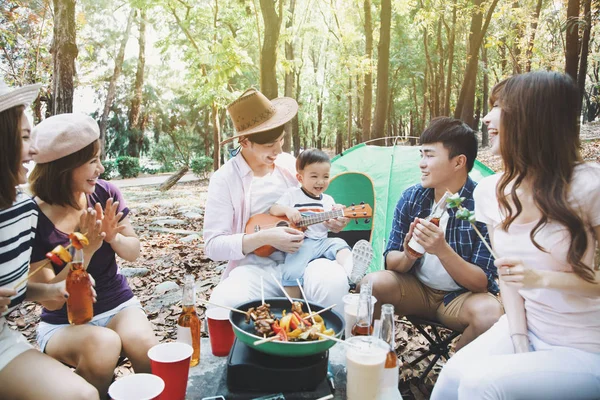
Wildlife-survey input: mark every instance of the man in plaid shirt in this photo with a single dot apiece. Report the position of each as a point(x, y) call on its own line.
point(455, 280)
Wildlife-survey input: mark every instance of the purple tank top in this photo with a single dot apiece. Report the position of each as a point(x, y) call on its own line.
point(111, 287)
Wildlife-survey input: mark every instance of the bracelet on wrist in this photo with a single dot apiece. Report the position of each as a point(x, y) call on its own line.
point(518, 334)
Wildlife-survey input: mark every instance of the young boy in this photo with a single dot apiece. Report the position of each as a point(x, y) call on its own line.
point(312, 168)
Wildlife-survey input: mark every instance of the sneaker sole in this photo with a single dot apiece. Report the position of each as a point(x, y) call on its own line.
point(362, 255)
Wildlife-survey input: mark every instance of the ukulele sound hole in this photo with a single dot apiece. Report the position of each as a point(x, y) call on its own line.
point(283, 224)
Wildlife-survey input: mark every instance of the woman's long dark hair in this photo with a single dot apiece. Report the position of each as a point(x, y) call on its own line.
point(539, 140)
point(10, 159)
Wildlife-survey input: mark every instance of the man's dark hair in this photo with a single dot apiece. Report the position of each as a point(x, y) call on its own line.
point(456, 136)
point(265, 137)
point(311, 156)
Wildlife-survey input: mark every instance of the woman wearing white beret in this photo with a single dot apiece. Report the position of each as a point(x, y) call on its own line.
point(72, 198)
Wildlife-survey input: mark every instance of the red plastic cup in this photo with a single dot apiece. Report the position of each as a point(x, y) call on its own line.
point(137, 387)
point(219, 331)
point(171, 362)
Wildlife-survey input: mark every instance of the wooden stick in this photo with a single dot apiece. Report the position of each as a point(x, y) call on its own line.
point(305, 300)
point(24, 279)
point(484, 242)
point(322, 311)
point(267, 340)
point(282, 289)
point(225, 307)
point(319, 334)
point(329, 396)
point(262, 290)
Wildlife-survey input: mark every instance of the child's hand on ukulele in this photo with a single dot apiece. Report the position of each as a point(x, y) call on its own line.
point(293, 215)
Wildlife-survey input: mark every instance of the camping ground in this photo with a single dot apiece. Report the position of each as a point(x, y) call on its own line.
point(170, 224)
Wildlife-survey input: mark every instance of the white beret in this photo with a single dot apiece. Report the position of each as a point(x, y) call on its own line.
point(63, 134)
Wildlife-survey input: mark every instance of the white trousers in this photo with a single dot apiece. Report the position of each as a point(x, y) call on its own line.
point(488, 368)
point(325, 283)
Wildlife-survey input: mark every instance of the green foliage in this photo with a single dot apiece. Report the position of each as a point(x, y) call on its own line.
point(128, 167)
point(201, 165)
point(110, 168)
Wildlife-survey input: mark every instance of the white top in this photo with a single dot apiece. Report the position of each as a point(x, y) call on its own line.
point(308, 204)
point(264, 191)
point(556, 317)
point(432, 273)
point(17, 231)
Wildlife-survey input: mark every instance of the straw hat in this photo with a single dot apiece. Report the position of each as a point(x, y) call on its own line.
point(20, 96)
point(253, 113)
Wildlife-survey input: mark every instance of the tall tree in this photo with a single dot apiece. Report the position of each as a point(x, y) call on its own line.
point(383, 69)
point(368, 88)
point(466, 99)
point(136, 138)
point(534, 24)
point(585, 43)
point(452, 36)
point(268, 60)
point(572, 39)
point(64, 51)
point(110, 95)
point(289, 73)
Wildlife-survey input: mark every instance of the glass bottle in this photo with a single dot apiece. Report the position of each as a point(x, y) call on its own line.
point(391, 372)
point(363, 325)
point(188, 324)
point(80, 304)
point(415, 249)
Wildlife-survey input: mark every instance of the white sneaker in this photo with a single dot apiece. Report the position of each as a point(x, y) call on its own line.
point(362, 254)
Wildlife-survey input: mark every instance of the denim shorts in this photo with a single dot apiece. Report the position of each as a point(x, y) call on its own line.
point(45, 331)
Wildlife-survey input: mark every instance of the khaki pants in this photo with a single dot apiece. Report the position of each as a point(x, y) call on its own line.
point(410, 296)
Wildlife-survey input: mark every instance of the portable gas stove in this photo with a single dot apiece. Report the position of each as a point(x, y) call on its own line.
point(253, 371)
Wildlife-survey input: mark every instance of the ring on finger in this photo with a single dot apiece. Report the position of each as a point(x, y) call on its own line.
point(508, 271)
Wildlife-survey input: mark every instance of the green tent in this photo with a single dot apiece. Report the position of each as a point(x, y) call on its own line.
point(377, 175)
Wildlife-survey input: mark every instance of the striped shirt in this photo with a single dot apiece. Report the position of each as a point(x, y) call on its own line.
point(416, 201)
point(17, 231)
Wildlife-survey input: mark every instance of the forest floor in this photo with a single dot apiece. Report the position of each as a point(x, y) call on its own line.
point(170, 225)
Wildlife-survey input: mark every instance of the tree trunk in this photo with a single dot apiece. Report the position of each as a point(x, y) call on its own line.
point(516, 48)
point(534, 24)
point(110, 95)
point(368, 88)
point(585, 42)
point(383, 69)
point(439, 87)
point(268, 59)
point(452, 35)
point(137, 135)
point(485, 139)
point(466, 99)
point(173, 179)
point(289, 74)
point(349, 112)
point(64, 51)
point(572, 39)
point(295, 125)
point(216, 156)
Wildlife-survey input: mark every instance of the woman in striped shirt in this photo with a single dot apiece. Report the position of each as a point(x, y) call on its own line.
point(20, 364)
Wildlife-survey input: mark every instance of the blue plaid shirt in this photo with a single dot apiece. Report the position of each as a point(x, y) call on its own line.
point(416, 201)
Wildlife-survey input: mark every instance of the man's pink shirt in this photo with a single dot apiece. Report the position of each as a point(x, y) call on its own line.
point(228, 207)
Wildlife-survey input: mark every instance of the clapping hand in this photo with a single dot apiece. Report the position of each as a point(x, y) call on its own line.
point(92, 228)
point(110, 219)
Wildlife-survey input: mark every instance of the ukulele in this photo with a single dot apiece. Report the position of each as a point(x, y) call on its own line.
point(260, 222)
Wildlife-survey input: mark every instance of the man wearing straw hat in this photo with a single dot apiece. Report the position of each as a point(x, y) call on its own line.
point(248, 184)
point(25, 373)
